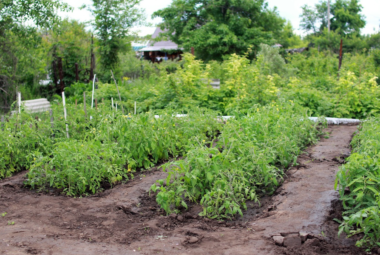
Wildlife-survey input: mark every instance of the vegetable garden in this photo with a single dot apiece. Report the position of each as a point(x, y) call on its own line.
point(219, 164)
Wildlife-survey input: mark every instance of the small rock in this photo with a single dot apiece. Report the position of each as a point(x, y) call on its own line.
point(303, 236)
point(193, 239)
point(180, 218)
point(173, 215)
point(279, 240)
point(221, 222)
point(292, 241)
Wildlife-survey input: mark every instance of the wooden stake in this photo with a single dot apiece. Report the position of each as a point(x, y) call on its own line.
point(96, 104)
point(2, 122)
point(19, 101)
point(65, 113)
point(93, 92)
point(84, 104)
point(122, 108)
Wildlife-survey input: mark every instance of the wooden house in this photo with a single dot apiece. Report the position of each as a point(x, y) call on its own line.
point(162, 50)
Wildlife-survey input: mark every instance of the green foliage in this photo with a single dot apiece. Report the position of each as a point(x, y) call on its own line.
point(248, 159)
point(41, 12)
point(21, 135)
point(22, 56)
point(77, 167)
point(100, 152)
point(290, 40)
point(309, 79)
point(361, 176)
point(221, 27)
point(271, 62)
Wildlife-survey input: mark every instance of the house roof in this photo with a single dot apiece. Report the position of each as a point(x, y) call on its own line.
point(161, 45)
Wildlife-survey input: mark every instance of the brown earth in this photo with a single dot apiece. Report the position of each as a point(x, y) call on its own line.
point(126, 220)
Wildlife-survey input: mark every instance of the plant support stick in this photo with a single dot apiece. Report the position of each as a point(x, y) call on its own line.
point(84, 104)
point(64, 112)
point(93, 92)
point(122, 107)
point(2, 122)
point(19, 102)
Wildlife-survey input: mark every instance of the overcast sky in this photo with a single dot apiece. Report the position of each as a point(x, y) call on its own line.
point(289, 10)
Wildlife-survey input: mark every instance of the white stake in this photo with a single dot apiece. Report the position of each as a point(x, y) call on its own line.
point(135, 107)
point(19, 102)
point(65, 113)
point(93, 92)
point(112, 102)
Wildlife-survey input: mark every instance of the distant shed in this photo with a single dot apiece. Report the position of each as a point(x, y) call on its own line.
point(298, 50)
point(162, 50)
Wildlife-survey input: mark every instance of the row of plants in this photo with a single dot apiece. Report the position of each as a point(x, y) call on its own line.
point(105, 147)
point(359, 186)
point(247, 160)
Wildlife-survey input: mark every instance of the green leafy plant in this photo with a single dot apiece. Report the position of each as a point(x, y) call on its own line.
point(361, 176)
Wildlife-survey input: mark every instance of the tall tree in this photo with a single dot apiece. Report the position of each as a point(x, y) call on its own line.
point(220, 27)
point(113, 20)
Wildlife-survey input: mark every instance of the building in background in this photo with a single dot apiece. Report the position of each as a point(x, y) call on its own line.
point(162, 50)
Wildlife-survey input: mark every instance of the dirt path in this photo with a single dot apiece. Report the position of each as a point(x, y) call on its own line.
point(125, 220)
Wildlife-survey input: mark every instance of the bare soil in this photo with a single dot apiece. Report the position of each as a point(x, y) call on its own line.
point(127, 220)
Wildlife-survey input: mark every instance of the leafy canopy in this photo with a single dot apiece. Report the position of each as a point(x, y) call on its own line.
point(346, 17)
point(216, 28)
point(113, 19)
point(40, 12)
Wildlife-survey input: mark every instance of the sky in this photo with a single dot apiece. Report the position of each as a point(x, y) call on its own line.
point(290, 10)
